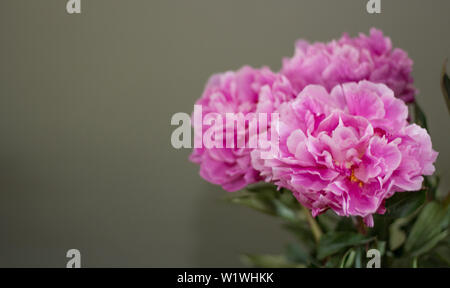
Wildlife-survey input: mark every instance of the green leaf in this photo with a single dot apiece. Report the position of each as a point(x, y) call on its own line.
point(431, 243)
point(381, 246)
point(254, 202)
point(331, 243)
point(445, 85)
point(381, 227)
point(261, 188)
point(269, 261)
point(358, 257)
point(329, 221)
point(431, 184)
point(348, 259)
point(346, 224)
point(401, 262)
point(397, 236)
point(419, 116)
point(284, 211)
point(428, 230)
point(303, 233)
point(297, 253)
point(438, 257)
point(405, 203)
point(287, 198)
point(268, 200)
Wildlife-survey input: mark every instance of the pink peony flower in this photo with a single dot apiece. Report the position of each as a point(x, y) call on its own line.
point(246, 91)
point(351, 60)
point(348, 150)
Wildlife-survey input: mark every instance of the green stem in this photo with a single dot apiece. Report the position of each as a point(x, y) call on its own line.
point(317, 232)
point(415, 262)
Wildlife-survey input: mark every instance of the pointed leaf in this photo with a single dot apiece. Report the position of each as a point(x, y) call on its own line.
point(419, 116)
point(348, 259)
point(265, 198)
point(331, 243)
point(405, 203)
point(445, 85)
point(428, 230)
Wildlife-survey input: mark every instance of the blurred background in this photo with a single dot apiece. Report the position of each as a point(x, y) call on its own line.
point(85, 106)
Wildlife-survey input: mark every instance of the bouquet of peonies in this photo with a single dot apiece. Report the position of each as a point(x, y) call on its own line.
point(338, 158)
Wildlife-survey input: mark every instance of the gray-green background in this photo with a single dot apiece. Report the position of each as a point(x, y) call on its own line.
point(85, 107)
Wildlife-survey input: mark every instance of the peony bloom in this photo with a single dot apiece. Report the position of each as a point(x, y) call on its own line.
point(246, 91)
point(369, 58)
point(347, 150)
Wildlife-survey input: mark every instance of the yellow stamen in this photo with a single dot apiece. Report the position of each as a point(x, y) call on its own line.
point(354, 179)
